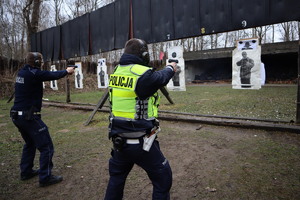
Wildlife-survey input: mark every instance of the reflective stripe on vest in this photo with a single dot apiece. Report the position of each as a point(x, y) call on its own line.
point(123, 98)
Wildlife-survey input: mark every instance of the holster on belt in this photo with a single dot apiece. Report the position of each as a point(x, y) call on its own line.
point(14, 114)
point(118, 142)
point(28, 115)
point(149, 138)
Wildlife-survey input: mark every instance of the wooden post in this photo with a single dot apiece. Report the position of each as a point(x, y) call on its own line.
point(11, 97)
point(68, 97)
point(98, 106)
point(298, 92)
point(166, 94)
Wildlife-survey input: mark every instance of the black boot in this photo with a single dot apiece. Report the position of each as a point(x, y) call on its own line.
point(51, 181)
point(30, 175)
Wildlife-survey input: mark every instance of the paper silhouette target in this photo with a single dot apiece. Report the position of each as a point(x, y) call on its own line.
point(53, 83)
point(177, 83)
point(102, 73)
point(246, 65)
point(78, 76)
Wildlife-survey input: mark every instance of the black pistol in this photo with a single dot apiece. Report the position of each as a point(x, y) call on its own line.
point(71, 63)
point(74, 66)
point(173, 60)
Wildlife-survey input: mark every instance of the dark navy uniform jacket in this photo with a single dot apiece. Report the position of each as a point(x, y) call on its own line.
point(146, 86)
point(29, 87)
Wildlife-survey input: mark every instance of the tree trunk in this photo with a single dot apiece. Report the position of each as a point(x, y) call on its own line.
point(32, 6)
point(273, 33)
point(226, 39)
point(1, 30)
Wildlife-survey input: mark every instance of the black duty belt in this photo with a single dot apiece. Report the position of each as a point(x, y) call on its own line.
point(20, 113)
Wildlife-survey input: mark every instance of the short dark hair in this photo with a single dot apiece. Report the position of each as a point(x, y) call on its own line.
point(33, 57)
point(138, 48)
point(135, 47)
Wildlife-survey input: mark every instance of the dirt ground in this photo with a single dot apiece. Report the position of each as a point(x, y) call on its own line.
point(208, 162)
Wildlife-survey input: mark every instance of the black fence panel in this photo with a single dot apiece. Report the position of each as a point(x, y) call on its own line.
point(122, 17)
point(102, 29)
point(33, 42)
point(162, 20)
point(38, 42)
point(44, 43)
point(247, 14)
point(69, 39)
point(83, 29)
point(95, 28)
point(56, 43)
point(214, 16)
point(74, 37)
point(48, 55)
point(283, 11)
point(186, 18)
point(141, 14)
point(156, 21)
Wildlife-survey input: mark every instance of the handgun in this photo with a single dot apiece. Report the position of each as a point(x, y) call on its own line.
point(74, 66)
point(173, 60)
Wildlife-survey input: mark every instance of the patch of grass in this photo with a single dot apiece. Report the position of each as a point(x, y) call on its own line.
point(270, 102)
point(73, 142)
point(239, 164)
point(252, 168)
point(77, 96)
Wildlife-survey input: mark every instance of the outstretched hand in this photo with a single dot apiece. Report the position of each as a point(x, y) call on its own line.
point(70, 70)
point(174, 65)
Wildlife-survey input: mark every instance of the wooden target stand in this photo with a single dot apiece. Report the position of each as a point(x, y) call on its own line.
point(105, 97)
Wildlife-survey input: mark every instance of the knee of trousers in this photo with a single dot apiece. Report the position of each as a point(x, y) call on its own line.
point(162, 179)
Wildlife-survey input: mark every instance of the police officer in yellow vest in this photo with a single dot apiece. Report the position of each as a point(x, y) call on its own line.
point(134, 109)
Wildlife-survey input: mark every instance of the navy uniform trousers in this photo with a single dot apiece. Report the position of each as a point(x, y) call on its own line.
point(153, 162)
point(36, 136)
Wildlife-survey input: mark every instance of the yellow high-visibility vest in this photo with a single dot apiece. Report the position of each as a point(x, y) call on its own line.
point(124, 101)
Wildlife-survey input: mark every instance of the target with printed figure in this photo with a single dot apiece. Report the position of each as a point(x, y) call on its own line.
point(102, 75)
point(78, 76)
point(53, 83)
point(246, 65)
point(177, 83)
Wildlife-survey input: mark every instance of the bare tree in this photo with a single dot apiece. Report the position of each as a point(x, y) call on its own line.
point(298, 30)
point(273, 33)
point(11, 29)
point(294, 30)
point(289, 31)
point(260, 33)
point(80, 7)
point(57, 9)
point(31, 13)
point(1, 23)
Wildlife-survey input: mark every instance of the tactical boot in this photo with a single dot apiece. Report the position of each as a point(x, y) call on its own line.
point(30, 175)
point(52, 180)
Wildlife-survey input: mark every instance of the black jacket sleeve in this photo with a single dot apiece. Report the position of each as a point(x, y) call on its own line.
point(152, 80)
point(48, 75)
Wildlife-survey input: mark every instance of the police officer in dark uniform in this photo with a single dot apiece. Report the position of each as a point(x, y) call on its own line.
point(26, 116)
point(134, 108)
